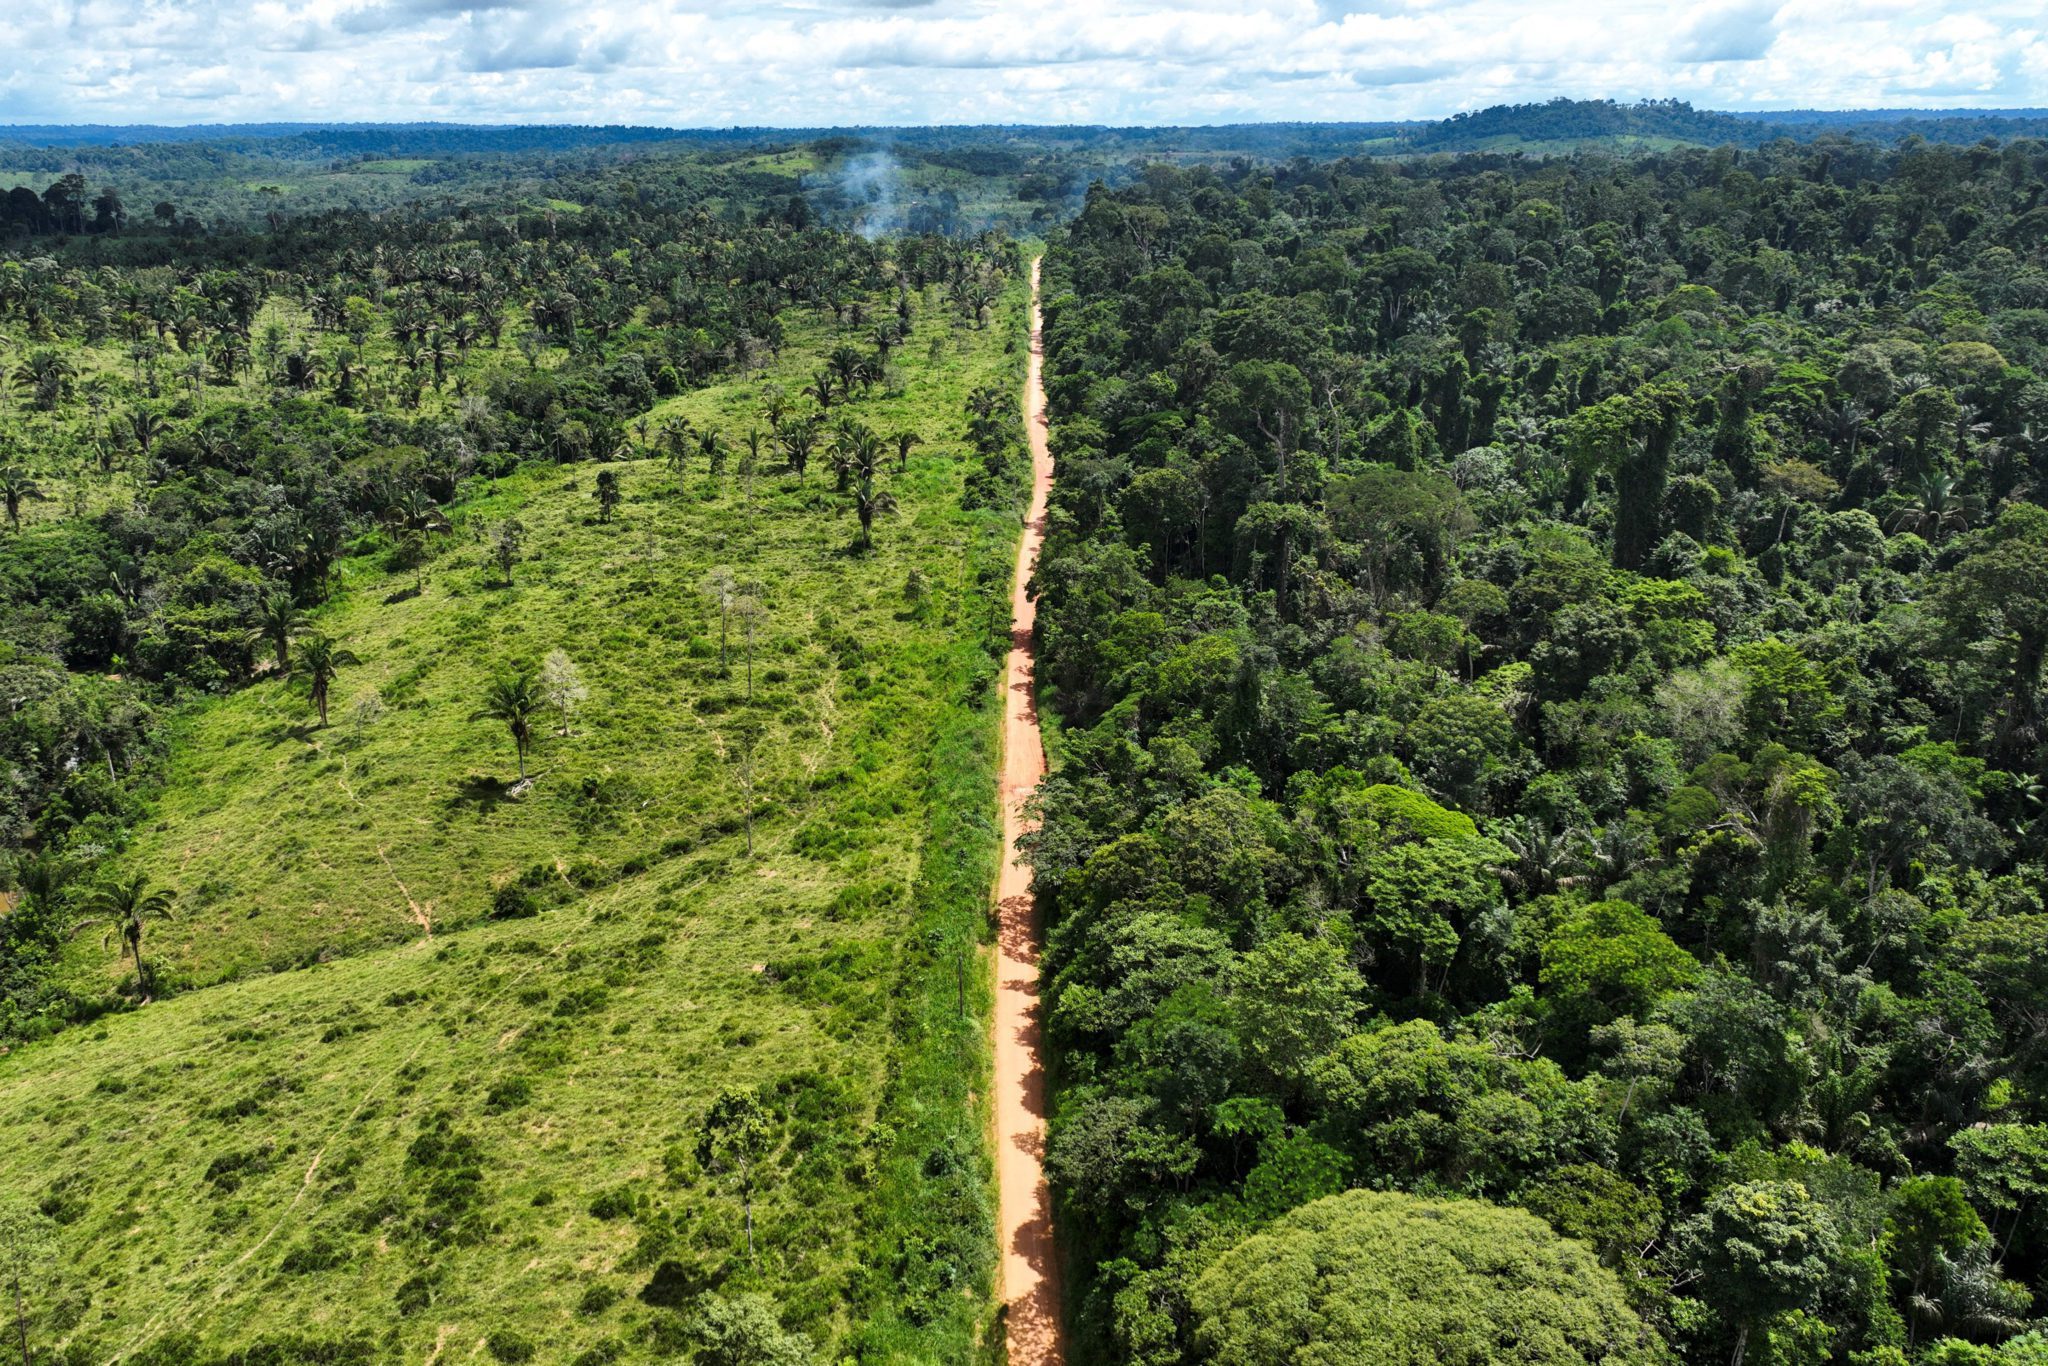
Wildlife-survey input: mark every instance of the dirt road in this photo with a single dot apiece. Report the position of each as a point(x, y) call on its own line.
point(1030, 1276)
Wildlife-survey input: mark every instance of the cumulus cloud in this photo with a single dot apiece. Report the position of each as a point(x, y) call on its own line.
point(1741, 32)
point(822, 62)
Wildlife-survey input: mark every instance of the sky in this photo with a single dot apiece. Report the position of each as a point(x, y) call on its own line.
point(719, 63)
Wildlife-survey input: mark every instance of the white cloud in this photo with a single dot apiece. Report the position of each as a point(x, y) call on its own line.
point(823, 62)
point(1739, 32)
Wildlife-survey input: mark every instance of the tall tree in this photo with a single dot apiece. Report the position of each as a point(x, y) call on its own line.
point(320, 660)
point(124, 910)
point(512, 698)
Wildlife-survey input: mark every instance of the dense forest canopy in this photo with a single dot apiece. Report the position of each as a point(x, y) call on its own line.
point(1550, 656)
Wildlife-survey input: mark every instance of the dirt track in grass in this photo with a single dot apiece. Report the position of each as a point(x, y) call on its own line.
point(1030, 1275)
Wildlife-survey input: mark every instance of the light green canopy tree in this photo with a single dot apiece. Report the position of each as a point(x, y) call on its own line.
point(1373, 1278)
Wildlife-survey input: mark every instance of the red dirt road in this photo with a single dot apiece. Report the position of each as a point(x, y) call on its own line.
point(1030, 1284)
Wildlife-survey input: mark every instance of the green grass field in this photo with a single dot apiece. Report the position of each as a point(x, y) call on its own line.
point(375, 1117)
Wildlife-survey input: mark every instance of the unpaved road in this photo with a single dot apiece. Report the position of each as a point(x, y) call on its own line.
point(1030, 1277)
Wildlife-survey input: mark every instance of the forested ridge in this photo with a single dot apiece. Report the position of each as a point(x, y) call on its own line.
point(1549, 661)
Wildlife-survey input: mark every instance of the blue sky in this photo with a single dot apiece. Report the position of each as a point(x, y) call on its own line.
point(707, 63)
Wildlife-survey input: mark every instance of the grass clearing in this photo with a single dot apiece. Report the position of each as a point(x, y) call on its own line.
point(425, 1142)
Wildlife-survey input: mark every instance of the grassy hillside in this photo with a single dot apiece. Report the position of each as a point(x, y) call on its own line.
point(441, 1137)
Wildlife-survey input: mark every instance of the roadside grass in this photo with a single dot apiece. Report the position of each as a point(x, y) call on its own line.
point(451, 1136)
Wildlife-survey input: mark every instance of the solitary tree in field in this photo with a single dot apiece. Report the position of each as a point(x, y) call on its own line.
point(125, 909)
point(17, 488)
point(751, 611)
point(26, 1246)
point(562, 684)
point(607, 494)
point(320, 659)
point(507, 538)
point(723, 589)
point(904, 442)
point(512, 699)
point(733, 1144)
point(675, 434)
point(277, 617)
point(868, 500)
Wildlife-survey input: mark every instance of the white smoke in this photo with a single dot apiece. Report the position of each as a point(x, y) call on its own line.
point(871, 185)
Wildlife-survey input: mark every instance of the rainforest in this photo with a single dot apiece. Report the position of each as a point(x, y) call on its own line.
point(1406, 742)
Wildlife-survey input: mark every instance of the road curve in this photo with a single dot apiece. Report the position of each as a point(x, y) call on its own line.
point(1030, 1274)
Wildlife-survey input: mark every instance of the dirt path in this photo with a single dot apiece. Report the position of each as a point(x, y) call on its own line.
point(1030, 1277)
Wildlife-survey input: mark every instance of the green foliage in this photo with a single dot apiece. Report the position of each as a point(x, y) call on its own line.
point(1606, 620)
point(1375, 1277)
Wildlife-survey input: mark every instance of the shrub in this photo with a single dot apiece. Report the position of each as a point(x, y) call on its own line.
point(617, 1203)
point(508, 1346)
point(598, 1298)
point(508, 1094)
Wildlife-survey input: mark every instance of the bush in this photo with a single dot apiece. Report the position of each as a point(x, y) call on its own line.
point(514, 901)
point(508, 1346)
point(617, 1203)
point(598, 1298)
point(321, 1252)
point(508, 1094)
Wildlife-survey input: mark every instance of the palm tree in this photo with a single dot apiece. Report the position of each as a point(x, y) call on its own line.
point(124, 909)
point(17, 488)
point(1936, 508)
point(513, 698)
point(49, 373)
point(868, 500)
point(437, 354)
point(145, 426)
point(302, 370)
point(845, 364)
point(674, 435)
point(415, 511)
point(277, 617)
point(798, 440)
point(320, 659)
point(904, 442)
point(820, 388)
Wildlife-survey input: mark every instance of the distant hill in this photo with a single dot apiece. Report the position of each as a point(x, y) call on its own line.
point(1556, 125)
point(1562, 124)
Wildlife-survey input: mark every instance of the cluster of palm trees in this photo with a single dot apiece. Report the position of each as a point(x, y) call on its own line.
point(856, 452)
